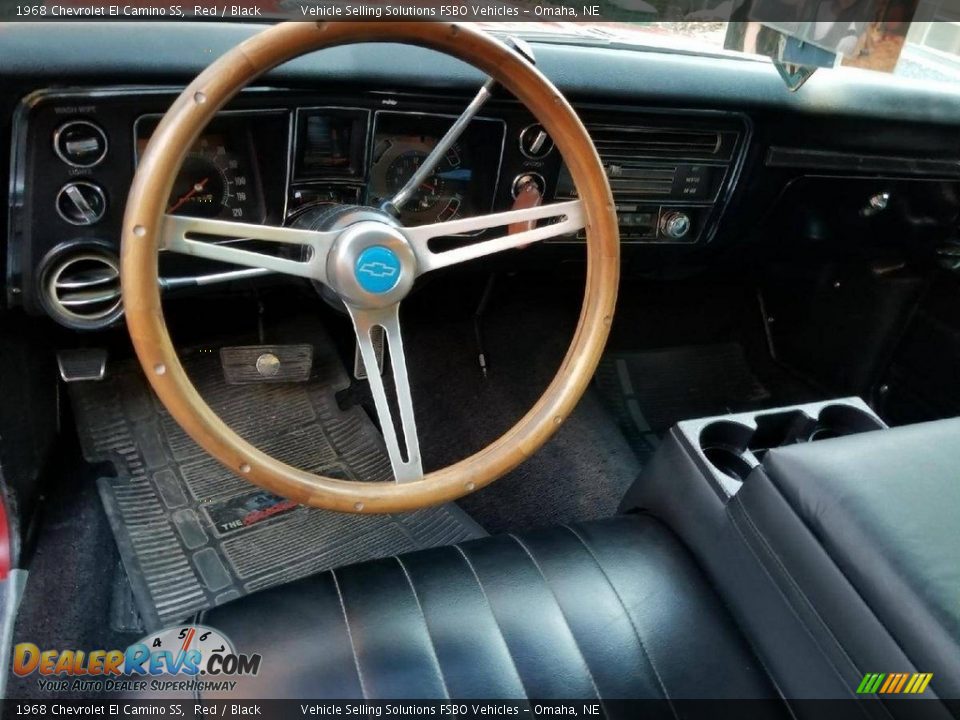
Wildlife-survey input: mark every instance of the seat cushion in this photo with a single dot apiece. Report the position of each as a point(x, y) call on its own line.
point(604, 610)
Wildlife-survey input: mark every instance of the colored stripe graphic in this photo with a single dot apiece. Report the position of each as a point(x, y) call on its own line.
point(927, 677)
point(891, 681)
point(870, 683)
point(894, 683)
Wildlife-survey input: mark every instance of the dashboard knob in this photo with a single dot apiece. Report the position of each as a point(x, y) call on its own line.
point(675, 224)
point(80, 143)
point(81, 203)
point(535, 144)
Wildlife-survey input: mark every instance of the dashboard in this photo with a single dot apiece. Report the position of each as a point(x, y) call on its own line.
point(708, 157)
point(273, 156)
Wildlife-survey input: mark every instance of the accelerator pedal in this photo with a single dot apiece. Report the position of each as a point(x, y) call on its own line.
point(246, 364)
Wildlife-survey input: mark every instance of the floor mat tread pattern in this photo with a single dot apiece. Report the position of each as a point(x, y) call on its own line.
point(167, 499)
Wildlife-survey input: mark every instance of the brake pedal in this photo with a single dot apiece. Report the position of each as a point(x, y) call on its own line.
point(246, 364)
point(377, 340)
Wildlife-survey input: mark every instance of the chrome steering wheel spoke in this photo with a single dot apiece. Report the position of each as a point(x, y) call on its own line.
point(179, 234)
point(569, 214)
point(407, 466)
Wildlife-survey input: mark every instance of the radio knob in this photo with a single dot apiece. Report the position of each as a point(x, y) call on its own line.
point(675, 224)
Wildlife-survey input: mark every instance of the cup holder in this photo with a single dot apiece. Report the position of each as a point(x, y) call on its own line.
point(780, 428)
point(734, 449)
point(839, 420)
point(725, 445)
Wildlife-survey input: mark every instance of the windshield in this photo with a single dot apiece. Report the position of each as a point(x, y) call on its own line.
point(918, 50)
point(909, 38)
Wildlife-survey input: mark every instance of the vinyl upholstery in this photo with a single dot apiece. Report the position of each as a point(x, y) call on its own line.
point(604, 610)
point(885, 508)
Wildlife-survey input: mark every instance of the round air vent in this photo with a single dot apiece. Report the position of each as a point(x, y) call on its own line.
point(81, 288)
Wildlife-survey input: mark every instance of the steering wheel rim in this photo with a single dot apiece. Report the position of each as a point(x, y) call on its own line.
point(146, 228)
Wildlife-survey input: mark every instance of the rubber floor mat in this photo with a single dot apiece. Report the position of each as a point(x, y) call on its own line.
point(650, 391)
point(193, 535)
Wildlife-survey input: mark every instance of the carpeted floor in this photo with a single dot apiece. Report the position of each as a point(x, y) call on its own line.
point(585, 468)
point(67, 599)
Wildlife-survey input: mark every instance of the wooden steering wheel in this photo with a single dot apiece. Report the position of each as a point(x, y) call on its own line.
point(371, 264)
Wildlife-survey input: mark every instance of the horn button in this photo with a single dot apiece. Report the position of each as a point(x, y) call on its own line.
point(371, 265)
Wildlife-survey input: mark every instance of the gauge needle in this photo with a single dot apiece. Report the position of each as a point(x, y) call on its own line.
point(198, 187)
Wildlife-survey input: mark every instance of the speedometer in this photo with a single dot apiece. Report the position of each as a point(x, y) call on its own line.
point(220, 174)
point(213, 182)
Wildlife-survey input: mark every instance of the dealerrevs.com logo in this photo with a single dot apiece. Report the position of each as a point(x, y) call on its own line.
point(180, 658)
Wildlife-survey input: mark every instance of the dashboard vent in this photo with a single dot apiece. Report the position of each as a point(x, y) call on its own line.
point(625, 144)
point(82, 289)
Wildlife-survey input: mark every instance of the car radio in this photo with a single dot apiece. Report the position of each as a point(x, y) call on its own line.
point(670, 178)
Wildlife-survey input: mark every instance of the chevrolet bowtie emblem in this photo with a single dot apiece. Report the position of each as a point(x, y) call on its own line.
point(377, 269)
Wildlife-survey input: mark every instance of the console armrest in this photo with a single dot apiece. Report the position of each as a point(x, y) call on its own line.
point(885, 509)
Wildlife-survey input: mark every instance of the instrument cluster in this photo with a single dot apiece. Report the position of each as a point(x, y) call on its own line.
point(358, 156)
point(339, 156)
point(267, 158)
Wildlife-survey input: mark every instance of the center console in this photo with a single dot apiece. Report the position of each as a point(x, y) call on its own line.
point(828, 533)
point(729, 447)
